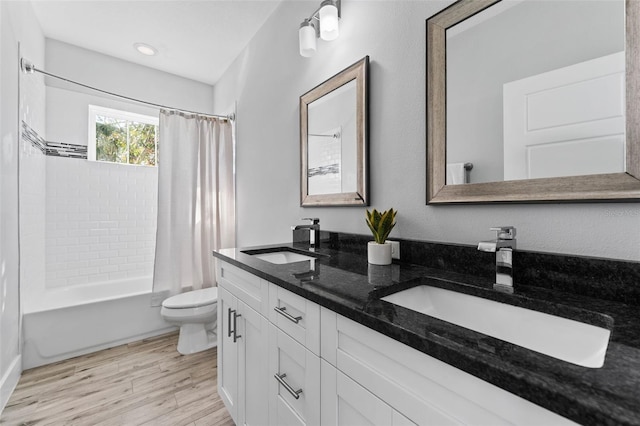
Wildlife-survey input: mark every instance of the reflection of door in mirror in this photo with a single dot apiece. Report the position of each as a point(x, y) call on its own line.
point(566, 122)
point(515, 40)
point(332, 148)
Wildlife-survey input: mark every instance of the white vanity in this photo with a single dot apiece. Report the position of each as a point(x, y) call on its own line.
point(284, 360)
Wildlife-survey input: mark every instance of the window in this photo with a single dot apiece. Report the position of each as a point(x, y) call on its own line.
point(122, 137)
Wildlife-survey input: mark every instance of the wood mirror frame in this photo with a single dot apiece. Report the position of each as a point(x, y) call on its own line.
point(603, 187)
point(360, 73)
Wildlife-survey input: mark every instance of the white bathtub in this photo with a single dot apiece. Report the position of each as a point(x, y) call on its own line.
point(68, 322)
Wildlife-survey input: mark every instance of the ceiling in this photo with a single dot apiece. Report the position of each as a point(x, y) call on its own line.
point(195, 39)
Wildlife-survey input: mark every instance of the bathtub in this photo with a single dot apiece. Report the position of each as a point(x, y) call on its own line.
point(67, 322)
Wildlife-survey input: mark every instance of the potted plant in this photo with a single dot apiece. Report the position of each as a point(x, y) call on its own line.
point(380, 224)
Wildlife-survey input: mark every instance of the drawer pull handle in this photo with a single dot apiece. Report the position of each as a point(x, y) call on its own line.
point(283, 311)
point(287, 386)
point(236, 336)
point(229, 313)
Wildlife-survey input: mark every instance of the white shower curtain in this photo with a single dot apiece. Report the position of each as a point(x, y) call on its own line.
point(196, 201)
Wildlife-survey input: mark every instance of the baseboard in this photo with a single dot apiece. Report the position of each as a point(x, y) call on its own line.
point(10, 381)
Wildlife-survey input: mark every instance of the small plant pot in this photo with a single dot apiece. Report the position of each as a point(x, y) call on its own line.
point(379, 254)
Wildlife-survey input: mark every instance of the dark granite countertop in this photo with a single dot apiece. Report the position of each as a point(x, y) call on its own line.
point(345, 283)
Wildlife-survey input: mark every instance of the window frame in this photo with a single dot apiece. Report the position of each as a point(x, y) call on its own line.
point(95, 110)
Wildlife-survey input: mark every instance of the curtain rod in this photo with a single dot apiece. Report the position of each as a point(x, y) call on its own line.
point(28, 67)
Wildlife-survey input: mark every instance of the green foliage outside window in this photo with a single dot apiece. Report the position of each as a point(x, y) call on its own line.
point(123, 141)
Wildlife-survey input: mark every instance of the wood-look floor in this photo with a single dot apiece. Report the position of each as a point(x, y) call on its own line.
point(142, 383)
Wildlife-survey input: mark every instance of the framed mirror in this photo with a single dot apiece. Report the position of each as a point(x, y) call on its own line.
point(334, 140)
point(531, 101)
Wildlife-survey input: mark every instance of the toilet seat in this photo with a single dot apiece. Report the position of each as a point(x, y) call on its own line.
point(192, 299)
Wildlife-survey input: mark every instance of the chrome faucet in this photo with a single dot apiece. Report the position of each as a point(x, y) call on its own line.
point(314, 230)
point(503, 247)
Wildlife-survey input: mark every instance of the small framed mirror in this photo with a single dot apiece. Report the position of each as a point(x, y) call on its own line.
point(334, 140)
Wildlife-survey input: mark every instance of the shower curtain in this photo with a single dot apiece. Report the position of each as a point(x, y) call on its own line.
point(196, 201)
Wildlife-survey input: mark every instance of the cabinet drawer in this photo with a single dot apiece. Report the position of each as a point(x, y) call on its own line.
point(424, 389)
point(295, 398)
point(245, 286)
point(296, 316)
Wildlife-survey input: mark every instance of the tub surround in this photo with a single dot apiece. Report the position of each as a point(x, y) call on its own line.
point(569, 287)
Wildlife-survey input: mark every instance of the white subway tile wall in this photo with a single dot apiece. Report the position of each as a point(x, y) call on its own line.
point(100, 221)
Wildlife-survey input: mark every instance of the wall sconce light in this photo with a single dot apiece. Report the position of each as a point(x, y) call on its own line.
point(323, 23)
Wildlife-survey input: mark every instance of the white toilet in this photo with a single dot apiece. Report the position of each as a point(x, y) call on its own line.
point(195, 312)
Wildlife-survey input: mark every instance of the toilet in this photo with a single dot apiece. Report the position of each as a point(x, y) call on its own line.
point(195, 312)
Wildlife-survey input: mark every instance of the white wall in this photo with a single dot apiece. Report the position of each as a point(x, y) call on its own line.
point(125, 78)
point(18, 25)
point(269, 76)
point(9, 317)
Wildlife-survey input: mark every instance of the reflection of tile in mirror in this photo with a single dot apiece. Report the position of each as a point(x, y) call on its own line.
point(332, 148)
point(324, 162)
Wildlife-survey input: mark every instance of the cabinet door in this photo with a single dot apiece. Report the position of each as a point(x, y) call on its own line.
point(227, 352)
point(346, 403)
point(253, 364)
point(294, 398)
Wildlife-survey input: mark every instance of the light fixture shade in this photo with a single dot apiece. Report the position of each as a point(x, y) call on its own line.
point(329, 28)
point(307, 39)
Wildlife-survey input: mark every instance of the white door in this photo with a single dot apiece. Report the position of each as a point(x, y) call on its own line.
point(227, 352)
point(294, 397)
point(566, 122)
point(253, 338)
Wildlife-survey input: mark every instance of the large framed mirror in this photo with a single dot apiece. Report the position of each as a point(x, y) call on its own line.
point(334, 140)
point(531, 101)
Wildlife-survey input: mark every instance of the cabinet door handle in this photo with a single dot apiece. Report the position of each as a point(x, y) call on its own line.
point(236, 336)
point(229, 312)
point(287, 386)
point(283, 311)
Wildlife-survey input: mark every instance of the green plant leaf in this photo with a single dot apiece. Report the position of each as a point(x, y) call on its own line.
point(381, 224)
point(373, 230)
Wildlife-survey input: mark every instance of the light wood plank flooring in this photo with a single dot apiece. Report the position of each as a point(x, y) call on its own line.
point(142, 383)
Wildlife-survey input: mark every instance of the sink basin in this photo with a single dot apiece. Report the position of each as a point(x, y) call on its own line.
point(280, 255)
point(561, 338)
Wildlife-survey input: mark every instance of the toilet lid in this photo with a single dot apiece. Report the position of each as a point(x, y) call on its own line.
point(192, 299)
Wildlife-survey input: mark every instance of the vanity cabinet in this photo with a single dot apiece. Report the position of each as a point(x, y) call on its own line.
point(425, 390)
point(242, 340)
point(284, 360)
point(267, 371)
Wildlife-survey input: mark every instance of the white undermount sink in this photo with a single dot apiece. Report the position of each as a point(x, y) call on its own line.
point(280, 256)
point(561, 338)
